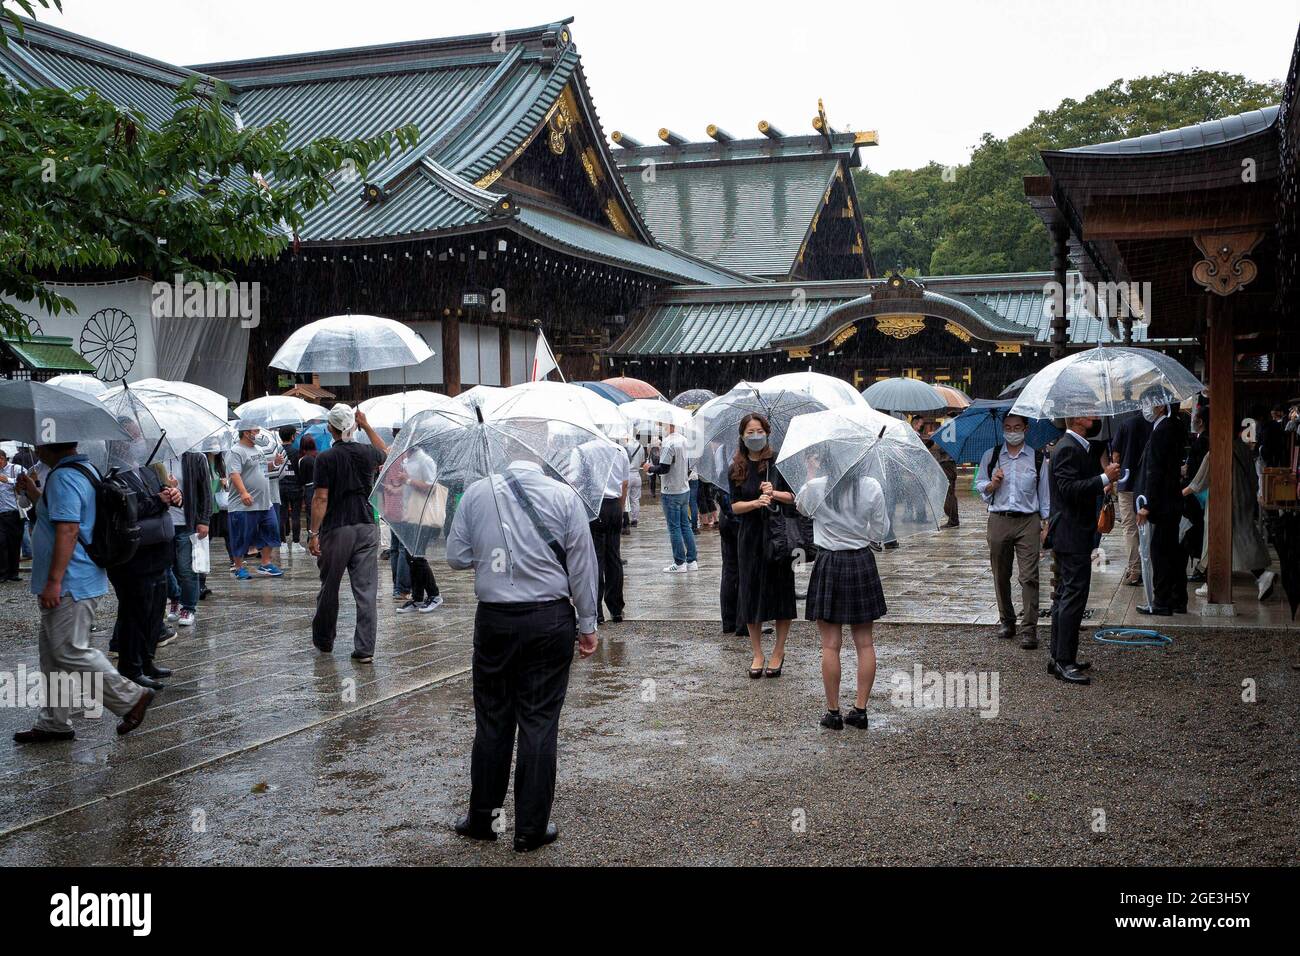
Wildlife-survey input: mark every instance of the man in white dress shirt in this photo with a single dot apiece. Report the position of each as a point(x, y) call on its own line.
point(1015, 489)
point(526, 537)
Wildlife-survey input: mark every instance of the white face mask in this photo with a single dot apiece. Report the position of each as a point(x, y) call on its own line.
point(1013, 438)
point(1149, 413)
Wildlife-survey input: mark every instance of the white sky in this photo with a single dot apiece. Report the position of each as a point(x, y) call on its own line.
point(930, 75)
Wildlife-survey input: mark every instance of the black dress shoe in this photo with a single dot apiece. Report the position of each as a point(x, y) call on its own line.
point(475, 827)
point(1069, 673)
point(1030, 641)
point(1082, 665)
point(1006, 631)
point(1196, 578)
point(156, 672)
point(1178, 610)
point(1155, 609)
point(37, 736)
point(135, 716)
point(528, 843)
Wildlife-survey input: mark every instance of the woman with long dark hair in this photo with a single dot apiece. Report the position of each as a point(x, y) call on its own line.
point(766, 591)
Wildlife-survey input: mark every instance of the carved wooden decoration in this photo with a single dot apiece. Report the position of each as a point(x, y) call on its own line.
point(900, 326)
point(1226, 268)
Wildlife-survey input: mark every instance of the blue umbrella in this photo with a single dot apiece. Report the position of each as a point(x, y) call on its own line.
point(977, 429)
point(617, 396)
point(319, 433)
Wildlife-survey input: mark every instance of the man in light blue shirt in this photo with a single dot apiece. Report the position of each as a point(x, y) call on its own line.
point(69, 585)
point(1016, 491)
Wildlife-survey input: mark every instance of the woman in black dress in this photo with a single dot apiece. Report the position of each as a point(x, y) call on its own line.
point(766, 591)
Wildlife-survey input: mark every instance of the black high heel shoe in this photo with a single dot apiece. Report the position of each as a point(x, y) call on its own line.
point(756, 672)
point(774, 671)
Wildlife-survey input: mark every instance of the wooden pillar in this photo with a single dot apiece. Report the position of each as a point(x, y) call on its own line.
point(451, 354)
point(359, 386)
point(1219, 363)
point(1060, 266)
point(504, 349)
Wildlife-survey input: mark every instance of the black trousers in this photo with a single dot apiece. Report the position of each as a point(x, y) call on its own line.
point(1074, 571)
point(1168, 563)
point(141, 604)
point(728, 528)
point(290, 513)
point(606, 535)
point(423, 584)
point(11, 542)
point(522, 654)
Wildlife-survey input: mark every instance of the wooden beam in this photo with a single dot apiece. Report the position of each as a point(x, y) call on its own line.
point(504, 349)
point(1132, 218)
point(451, 354)
point(1219, 361)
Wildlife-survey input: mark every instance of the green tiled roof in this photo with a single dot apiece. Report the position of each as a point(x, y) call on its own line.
point(751, 217)
point(48, 353)
point(730, 320)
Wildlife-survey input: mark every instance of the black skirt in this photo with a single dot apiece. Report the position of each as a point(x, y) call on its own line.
point(845, 588)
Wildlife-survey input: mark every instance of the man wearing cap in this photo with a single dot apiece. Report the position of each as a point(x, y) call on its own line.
point(251, 518)
point(343, 535)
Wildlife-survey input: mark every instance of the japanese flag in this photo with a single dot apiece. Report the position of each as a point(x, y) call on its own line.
point(543, 359)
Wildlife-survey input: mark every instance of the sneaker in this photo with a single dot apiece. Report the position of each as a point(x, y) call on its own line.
point(1266, 582)
point(407, 608)
point(432, 604)
point(856, 718)
point(297, 549)
point(270, 571)
point(185, 619)
point(363, 658)
point(1203, 590)
point(173, 610)
point(675, 569)
point(168, 636)
point(692, 565)
point(243, 575)
point(832, 720)
point(400, 596)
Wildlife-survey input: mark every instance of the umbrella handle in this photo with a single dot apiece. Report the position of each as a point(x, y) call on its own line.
point(156, 447)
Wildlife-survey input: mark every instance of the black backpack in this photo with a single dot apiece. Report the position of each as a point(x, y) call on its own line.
point(116, 535)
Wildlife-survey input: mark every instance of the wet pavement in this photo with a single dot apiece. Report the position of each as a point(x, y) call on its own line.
point(261, 750)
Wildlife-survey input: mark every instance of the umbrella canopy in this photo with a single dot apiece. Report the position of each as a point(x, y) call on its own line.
point(319, 434)
point(646, 415)
point(575, 404)
point(81, 384)
point(607, 391)
point(351, 343)
point(633, 387)
point(1106, 381)
point(693, 398)
point(161, 425)
point(827, 389)
point(442, 451)
point(272, 411)
point(968, 436)
point(714, 432)
point(1015, 388)
point(826, 455)
point(392, 411)
point(904, 395)
point(955, 397)
point(214, 402)
point(40, 414)
point(484, 396)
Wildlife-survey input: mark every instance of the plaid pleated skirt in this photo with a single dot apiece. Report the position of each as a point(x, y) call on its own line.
point(845, 588)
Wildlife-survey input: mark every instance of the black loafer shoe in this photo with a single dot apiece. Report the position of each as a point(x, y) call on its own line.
point(1082, 665)
point(1154, 609)
point(1072, 675)
point(144, 680)
point(475, 827)
point(1030, 641)
point(856, 718)
point(528, 843)
point(35, 736)
point(832, 720)
point(1006, 631)
point(157, 673)
point(135, 716)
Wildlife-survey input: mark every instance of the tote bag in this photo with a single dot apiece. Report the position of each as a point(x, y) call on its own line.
point(202, 557)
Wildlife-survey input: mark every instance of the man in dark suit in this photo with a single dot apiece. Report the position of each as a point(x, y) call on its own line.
point(1160, 482)
point(1075, 483)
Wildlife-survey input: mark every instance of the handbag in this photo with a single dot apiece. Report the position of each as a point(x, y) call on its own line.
point(1106, 519)
point(783, 535)
point(201, 560)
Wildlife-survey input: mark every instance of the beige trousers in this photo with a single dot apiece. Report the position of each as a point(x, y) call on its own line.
point(1127, 514)
point(1015, 537)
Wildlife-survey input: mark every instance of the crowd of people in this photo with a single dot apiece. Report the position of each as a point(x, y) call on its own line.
point(564, 570)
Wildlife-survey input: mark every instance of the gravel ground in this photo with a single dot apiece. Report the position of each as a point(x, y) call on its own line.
point(704, 766)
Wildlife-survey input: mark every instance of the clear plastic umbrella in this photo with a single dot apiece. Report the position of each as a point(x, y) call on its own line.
point(388, 413)
point(442, 451)
point(645, 416)
point(1105, 381)
point(572, 402)
point(214, 402)
point(1144, 553)
point(481, 396)
point(81, 384)
point(909, 395)
point(274, 411)
point(351, 343)
point(161, 424)
point(714, 432)
point(35, 413)
point(830, 391)
point(826, 455)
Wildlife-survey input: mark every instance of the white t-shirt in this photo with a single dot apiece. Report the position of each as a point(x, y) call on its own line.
point(673, 452)
point(851, 518)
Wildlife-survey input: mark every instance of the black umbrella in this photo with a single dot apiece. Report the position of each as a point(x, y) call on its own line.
point(1015, 388)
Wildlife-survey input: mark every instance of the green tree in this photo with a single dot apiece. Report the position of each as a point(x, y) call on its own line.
point(87, 185)
point(976, 220)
